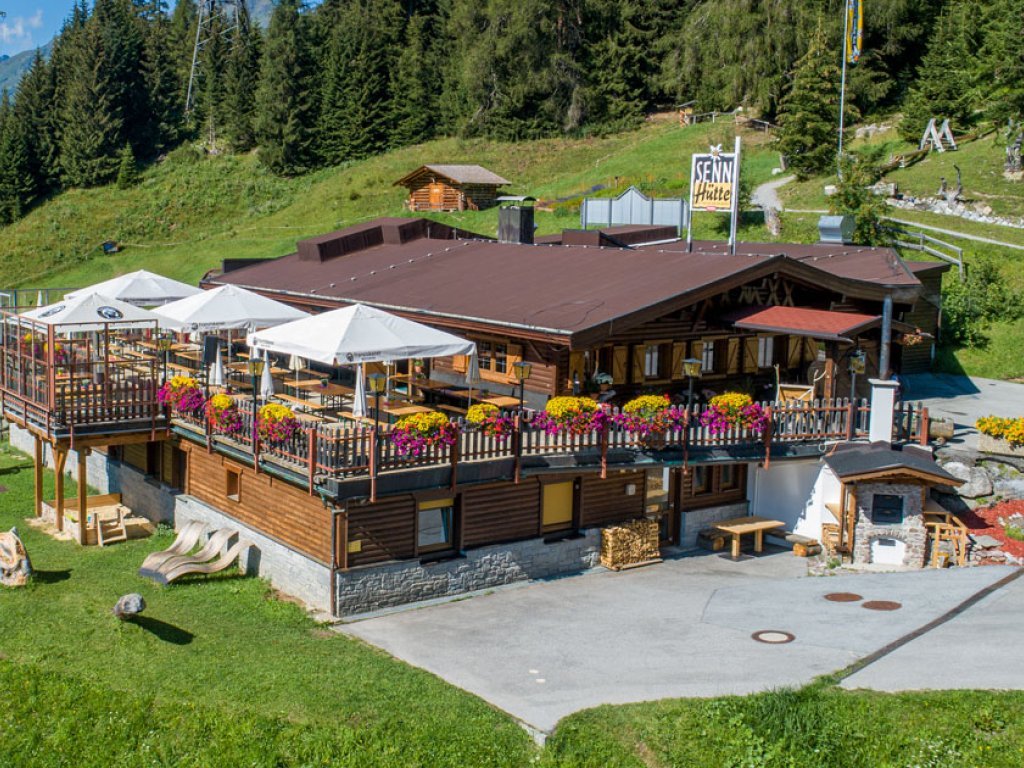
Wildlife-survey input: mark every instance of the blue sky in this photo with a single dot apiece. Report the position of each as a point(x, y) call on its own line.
point(30, 23)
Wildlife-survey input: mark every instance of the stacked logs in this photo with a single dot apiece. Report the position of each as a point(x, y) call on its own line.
point(630, 544)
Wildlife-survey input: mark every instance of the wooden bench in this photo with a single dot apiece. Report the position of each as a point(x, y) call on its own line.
point(452, 409)
point(304, 405)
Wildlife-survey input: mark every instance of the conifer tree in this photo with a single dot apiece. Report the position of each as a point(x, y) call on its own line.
point(809, 112)
point(284, 107)
point(119, 32)
point(162, 83)
point(414, 111)
point(33, 108)
point(241, 78)
point(1000, 71)
point(127, 170)
point(15, 179)
point(943, 86)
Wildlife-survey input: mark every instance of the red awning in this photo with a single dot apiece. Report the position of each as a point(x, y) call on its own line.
point(804, 321)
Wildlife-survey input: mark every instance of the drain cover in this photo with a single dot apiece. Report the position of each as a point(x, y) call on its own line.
point(773, 637)
point(843, 597)
point(882, 605)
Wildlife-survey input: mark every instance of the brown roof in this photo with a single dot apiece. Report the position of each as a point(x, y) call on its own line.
point(803, 321)
point(461, 174)
point(577, 292)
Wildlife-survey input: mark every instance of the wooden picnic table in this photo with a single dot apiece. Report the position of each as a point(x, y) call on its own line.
point(304, 386)
point(308, 405)
point(404, 409)
point(754, 524)
point(501, 401)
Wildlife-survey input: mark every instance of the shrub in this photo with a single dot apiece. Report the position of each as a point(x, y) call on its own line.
point(969, 305)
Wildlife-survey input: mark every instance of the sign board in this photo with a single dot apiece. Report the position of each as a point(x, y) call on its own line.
point(715, 187)
point(854, 30)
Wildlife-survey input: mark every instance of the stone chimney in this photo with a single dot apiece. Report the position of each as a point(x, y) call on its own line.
point(883, 404)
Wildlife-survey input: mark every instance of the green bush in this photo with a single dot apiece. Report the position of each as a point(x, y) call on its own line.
point(968, 306)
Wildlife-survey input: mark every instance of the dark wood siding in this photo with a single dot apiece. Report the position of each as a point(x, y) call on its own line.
point(265, 503)
point(605, 501)
point(385, 530)
point(716, 496)
point(924, 315)
point(497, 513)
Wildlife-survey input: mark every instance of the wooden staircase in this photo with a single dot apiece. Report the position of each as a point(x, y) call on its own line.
point(111, 529)
point(948, 536)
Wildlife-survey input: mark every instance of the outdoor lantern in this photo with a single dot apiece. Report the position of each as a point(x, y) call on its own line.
point(163, 344)
point(522, 370)
point(256, 365)
point(377, 382)
point(692, 367)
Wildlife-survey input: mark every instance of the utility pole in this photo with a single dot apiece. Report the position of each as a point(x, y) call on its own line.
point(208, 12)
point(853, 23)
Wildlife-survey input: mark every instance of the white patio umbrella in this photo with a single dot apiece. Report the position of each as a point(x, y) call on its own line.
point(472, 374)
point(217, 371)
point(39, 299)
point(141, 288)
point(296, 364)
point(359, 334)
point(226, 308)
point(91, 312)
point(267, 381)
point(359, 400)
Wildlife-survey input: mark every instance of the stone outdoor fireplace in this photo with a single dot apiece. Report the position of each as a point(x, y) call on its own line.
point(890, 526)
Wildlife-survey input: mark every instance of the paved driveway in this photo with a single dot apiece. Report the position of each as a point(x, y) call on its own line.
point(964, 400)
point(680, 628)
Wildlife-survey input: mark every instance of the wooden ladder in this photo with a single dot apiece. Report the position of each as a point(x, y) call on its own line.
point(945, 528)
point(111, 530)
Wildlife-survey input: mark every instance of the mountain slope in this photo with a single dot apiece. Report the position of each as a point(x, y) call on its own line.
point(13, 67)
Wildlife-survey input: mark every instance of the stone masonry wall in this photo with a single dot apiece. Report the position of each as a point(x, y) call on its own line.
point(696, 520)
point(912, 532)
point(375, 587)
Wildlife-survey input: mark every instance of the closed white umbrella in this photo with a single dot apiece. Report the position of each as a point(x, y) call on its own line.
point(39, 300)
point(217, 371)
point(267, 382)
point(472, 374)
point(359, 403)
point(296, 364)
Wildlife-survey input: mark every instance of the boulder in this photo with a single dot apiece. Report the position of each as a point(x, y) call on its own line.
point(129, 606)
point(977, 482)
point(986, 542)
point(15, 566)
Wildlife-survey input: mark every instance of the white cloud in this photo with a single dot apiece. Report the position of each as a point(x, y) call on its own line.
point(16, 32)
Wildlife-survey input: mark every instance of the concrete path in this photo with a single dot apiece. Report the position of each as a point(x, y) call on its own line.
point(964, 399)
point(677, 629)
point(767, 196)
point(980, 648)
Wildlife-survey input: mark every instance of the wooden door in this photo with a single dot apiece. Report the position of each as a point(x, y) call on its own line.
point(556, 506)
point(436, 196)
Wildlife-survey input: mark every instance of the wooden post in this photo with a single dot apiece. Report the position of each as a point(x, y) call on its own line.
point(311, 457)
point(60, 461)
point(37, 469)
point(373, 466)
point(517, 443)
point(83, 497)
point(768, 438)
point(604, 453)
point(831, 350)
point(924, 426)
point(455, 465)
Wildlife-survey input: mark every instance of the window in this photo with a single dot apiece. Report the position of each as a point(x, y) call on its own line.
point(887, 508)
point(728, 477)
point(707, 356)
point(492, 356)
point(233, 484)
point(652, 368)
point(701, 480)
point(713, 484)
point(765, 351)
point(434, 525)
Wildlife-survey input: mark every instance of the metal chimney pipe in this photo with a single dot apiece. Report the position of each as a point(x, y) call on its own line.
point(883, 356)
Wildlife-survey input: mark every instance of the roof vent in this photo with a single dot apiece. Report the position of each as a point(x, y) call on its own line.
point(836, 229)
point(515, 220)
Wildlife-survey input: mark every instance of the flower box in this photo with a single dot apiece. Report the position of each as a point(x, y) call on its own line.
point(997, 445)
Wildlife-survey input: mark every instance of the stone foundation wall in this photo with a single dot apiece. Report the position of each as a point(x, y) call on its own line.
point(912, 532)
point(383, 586)
point(145, 496)
point(696, 520)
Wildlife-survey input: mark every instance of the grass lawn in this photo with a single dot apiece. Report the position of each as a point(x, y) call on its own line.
point(220, 673)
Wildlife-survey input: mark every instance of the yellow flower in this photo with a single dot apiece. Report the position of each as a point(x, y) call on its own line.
point(646, 405)
point(563, 407)
point(479, 412)
point(275, 412)
point(221, 402)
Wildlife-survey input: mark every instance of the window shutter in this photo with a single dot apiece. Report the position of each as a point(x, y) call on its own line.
point(514, 355)
point(733, 357)
point(750, 354)
point(810, 350)
point(620, 364)
point(460, 363)
point(678, 353)
point(576, 363)
point(794, 352)
point(638, 363)
point(697, 351)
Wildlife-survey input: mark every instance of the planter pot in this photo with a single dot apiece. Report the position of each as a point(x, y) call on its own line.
point(989, 444)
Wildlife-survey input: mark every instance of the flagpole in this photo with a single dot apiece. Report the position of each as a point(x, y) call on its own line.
point(842, 87)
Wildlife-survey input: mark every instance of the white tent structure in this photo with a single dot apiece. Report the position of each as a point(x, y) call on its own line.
point(91, 312)
point(226, 308)
point(142, 288)
point(359, 334)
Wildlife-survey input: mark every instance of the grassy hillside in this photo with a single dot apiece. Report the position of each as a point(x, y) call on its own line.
point(192, 210)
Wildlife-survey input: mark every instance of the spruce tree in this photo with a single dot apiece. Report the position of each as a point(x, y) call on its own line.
point(943, 87)
point(1000, 69)
point(34, 106)
point(163, 86)
point(120, 33)
point(283, 101)
point(241, 79)
point(127, 169)
point(15, 179)
point(809, 112)
point(414, 109)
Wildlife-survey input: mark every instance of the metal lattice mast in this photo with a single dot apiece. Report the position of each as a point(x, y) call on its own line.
point(208, 12)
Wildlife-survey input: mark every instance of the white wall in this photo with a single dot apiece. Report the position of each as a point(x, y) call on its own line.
point(794, 492)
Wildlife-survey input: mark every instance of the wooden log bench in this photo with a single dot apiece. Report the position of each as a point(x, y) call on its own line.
point(802, 546)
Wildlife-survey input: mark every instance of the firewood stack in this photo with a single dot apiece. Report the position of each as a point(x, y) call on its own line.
point(630, 544)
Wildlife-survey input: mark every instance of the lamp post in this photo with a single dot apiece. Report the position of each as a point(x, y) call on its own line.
point(522, 373)
point(163, 345)
point(691, 369)
point(256, 365)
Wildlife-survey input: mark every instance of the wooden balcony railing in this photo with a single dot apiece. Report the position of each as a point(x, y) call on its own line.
point(333, 451)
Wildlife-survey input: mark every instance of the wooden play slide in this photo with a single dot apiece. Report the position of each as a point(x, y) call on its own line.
point(174, 562)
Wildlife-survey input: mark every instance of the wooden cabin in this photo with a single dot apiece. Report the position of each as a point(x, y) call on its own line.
point(451, 188)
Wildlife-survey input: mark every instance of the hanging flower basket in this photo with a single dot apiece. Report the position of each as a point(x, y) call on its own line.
point(490, 420)
point(575, 415)
point(182, 394)
point(650, 415)
point(731, 410)
point(414, 434)
point(223, 415)
point(276, 424)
